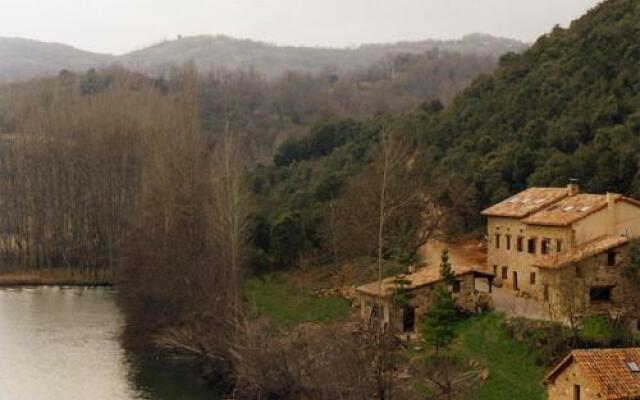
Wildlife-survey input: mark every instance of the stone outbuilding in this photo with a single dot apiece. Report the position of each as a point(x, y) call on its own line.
point(598, 374)
point(472, 286)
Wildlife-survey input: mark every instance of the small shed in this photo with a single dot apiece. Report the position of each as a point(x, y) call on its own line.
point(376, 299)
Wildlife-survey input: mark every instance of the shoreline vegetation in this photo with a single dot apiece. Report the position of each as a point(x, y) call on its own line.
point(56, 277)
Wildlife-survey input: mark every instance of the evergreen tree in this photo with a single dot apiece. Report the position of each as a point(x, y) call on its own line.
point(402, 296)
point(446, 271)
point(438, 329)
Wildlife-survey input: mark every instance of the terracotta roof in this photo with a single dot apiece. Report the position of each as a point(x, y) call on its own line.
point(568, 210)
point(607, 370)
point(589, 249)
point(526, 202)
point(421, 278)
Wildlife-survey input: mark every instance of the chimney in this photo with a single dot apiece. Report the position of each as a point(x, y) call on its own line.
point(573, 188)
point(611, 212)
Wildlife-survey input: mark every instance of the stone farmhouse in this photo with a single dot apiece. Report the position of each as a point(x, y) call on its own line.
point(552, 253)
point(563, 250)
point(598, 374)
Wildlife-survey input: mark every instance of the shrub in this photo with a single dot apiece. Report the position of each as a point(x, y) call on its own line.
point(550, 341)
point(601, 331)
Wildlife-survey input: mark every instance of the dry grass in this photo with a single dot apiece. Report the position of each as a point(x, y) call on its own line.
point(57, 276)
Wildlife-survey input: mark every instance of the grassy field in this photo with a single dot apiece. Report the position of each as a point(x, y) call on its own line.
point(513, 373)
point(286, 303)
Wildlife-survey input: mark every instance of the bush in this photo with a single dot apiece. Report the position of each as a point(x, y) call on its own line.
point(602, 331)
point(550, 341)
point(596, 329)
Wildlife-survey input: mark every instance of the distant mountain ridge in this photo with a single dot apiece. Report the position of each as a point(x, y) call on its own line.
point(23, 58)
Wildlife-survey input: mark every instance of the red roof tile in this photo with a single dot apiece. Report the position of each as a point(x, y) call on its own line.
point(607, 370)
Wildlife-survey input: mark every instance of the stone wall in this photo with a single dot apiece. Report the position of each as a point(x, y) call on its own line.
point(521, 262)
point(562, 387)
point(570, 287)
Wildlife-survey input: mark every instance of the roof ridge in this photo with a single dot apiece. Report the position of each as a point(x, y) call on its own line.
point(526, 202)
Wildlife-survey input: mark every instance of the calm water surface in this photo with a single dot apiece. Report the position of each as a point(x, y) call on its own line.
point(62, 344)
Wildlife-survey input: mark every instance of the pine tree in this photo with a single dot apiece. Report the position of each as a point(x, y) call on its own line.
point(402, 295)
point(446, 271)
point(438, 329)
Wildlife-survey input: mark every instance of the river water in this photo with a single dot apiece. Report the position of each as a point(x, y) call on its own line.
point(63, 344)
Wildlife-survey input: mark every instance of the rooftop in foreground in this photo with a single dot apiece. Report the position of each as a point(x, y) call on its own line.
point(613, 373)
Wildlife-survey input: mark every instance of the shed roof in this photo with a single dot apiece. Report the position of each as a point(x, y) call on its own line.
point(608, 370)
point(421, 278)
point(589, 249)
point(526, 202)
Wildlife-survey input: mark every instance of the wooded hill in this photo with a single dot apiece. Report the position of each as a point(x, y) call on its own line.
point(566, 108)
point(22, 59)
point(569, 107)
point(224, 52)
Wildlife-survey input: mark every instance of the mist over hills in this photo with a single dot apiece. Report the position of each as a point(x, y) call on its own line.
point(23, 59)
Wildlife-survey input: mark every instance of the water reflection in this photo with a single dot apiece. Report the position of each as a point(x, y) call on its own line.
point(155, 379)
point(62, 344)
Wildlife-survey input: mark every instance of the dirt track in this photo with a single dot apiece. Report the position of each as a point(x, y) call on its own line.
point(462, 253)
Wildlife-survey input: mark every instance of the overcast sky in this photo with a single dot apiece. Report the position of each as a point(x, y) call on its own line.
point(118, 26)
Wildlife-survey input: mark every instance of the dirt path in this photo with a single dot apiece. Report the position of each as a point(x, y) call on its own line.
point(461, 253)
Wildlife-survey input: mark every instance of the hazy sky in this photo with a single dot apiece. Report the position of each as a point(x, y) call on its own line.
point(118, 26)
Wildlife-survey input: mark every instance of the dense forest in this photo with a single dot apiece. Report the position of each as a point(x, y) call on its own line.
point(82, 133)
point(188, 184)
point(568, 108)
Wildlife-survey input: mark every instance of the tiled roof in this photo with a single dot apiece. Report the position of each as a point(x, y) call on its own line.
point(589, 249)
point(526, 202)
point(421, 278)
point(607, 370)
point(569, 210)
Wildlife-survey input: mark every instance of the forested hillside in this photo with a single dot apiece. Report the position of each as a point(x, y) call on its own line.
point(270, 111)
point(22, 59)
point(569, 107)
point(197, 188)
point(271, 60)
point(566, 108)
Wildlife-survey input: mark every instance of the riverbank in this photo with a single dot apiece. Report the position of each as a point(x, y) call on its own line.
point(56, 277)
